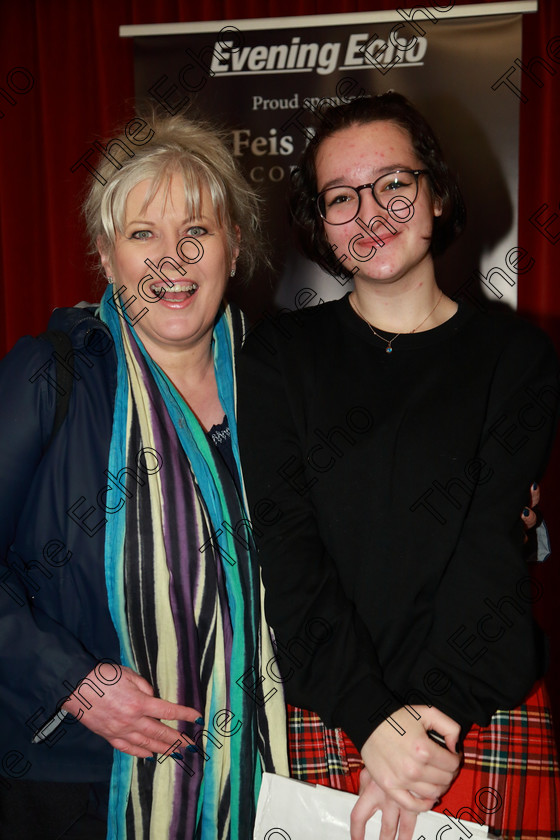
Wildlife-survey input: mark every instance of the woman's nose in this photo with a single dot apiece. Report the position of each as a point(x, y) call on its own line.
point(369, 208)
point(165, 262)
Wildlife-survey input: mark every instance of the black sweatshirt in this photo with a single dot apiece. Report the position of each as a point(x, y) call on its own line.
point(385, 491)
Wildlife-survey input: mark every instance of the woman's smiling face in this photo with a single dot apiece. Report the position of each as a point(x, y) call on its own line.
point(192, 253)
point(358, 155)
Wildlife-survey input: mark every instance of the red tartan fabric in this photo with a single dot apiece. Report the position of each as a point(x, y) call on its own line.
point(510, 778)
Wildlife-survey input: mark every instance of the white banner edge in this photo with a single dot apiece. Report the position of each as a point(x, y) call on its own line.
point(472, 10)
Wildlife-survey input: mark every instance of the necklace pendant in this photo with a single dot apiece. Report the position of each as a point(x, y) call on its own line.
point(389, 349)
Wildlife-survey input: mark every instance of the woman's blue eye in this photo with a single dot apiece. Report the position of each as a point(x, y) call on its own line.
point(196, 230)
point(141, 234)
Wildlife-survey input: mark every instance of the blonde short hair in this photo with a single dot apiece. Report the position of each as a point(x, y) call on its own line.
point(198, 152)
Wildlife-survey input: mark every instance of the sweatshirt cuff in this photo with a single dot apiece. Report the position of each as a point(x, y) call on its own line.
point(362, 711)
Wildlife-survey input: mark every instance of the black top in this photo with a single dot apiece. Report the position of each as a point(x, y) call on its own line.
point(220, 435)
point(386, 492)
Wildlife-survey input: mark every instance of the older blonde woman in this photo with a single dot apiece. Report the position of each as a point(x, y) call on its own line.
point(141, 628)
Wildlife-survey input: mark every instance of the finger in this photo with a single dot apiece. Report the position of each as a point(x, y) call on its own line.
point(405, 800)
point(157, 736)
point(449, 742)
point(365, 779)
point(407, 824)
point(444, 757)
point(535, 494)
point(427, 779)
point(139, 682)
point(453, 747)
point(441, 723)
point(166, 710)
point(151, 746)
point(389, 821)
point(366, 806)
point(433, 762)
point(440, 763)
point(127, 747)
point(529, 518)
point(429, 792)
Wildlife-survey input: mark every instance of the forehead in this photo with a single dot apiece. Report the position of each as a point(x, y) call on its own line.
point(170, 195)
point(364, 147)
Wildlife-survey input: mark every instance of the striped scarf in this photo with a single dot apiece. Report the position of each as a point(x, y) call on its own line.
point(185, 597)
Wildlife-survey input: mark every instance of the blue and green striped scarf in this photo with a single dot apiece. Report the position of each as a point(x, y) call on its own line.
point(185, 597)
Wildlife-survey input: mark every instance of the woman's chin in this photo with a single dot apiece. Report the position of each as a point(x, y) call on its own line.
point(382, 275)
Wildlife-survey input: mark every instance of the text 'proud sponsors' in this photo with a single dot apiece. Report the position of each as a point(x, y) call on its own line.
point(234, 53)
point(359, 51)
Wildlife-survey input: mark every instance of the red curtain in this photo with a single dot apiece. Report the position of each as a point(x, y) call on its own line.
point(66, 80)
point(74, 85)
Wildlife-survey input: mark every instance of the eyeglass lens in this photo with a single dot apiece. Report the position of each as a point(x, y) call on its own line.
point(395, 191)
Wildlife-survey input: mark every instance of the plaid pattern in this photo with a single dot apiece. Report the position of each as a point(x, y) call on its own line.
point(510, 778)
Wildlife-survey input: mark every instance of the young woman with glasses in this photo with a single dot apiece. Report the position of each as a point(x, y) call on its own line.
point(392, 435)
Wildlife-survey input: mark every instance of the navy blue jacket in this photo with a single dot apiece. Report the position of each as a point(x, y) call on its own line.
point(55, 625)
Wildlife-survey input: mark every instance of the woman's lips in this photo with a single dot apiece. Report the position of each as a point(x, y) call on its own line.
point(178, 295)
point(375, 242)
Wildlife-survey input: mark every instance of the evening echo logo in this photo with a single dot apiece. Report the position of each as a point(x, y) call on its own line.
point(360, 52)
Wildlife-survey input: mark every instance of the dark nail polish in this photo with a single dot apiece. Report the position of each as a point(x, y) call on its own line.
point(535, 485)
point(176, 755)
point(192, 748)
point(150, 758)
point(200, 721)
point(526, 511)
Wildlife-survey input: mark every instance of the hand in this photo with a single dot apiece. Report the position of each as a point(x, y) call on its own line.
point(129, 716)
point(530, 519)
point(371, 799)
point(410, 768)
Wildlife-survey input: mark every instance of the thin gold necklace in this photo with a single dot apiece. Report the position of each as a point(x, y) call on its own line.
point(389, 348)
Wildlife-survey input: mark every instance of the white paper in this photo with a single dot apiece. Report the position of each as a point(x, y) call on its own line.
point(292, 810)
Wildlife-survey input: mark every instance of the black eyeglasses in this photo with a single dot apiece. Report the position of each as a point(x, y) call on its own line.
point(396, 191)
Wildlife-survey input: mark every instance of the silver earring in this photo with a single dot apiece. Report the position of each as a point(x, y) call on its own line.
point(232, 272)
point(109, 279)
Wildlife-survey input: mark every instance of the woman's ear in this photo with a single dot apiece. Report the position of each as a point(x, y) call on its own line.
point(438, 206)
point(105, 259)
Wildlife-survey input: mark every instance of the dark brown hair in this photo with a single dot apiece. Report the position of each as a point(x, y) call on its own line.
point(393, 107)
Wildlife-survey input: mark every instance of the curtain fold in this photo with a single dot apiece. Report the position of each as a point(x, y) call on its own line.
point(76, 87)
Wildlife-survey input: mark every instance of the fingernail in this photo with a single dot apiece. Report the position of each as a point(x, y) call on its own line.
point(192, 748)
point(200, 721)
point(526, 511)
point(176, 755)
point(535, 485)
point(150, 758)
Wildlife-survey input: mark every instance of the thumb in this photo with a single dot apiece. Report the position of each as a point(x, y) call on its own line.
point(445, 727)
point(365, 779)
point(139, 682)
point(452, 743)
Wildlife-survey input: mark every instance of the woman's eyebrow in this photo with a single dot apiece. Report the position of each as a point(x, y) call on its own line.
point(377, 172)
point(140, 222)
point(186, 221)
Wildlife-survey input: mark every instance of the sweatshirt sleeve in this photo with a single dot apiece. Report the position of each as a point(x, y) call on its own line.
point(325, 655)
point(483, 640)
point(38, 654)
